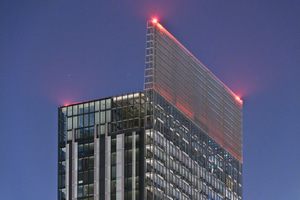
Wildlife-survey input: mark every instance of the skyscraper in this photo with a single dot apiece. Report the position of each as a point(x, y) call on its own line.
point(181, 138)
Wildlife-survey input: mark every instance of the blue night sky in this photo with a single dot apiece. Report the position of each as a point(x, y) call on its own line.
point(62, 51)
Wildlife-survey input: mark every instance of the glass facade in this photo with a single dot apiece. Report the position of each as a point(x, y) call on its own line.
point(179, 139)
point(186, 83)
point(99, 149)
point(183, 162)
point(139, 146)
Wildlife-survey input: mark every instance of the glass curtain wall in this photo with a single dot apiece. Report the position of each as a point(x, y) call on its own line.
point(183, 162)
point(99, 148)
point(186, 83)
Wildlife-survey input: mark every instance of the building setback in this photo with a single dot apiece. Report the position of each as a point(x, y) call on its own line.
point(181, 138)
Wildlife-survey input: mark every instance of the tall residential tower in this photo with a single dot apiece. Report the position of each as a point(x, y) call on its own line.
point(181, 138)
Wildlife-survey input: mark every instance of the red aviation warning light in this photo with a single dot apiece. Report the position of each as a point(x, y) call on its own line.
point(238, 99)
point(154, 21)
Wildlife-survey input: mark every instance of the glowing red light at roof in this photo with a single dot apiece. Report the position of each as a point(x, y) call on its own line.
point(154, 21)
point(239, 99)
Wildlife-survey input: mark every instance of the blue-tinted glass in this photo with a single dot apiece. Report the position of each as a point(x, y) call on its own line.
point(81, 133)
point(86, 132)
point(80, 108)
point(80, 150)
point(108, 103)
point(80, 121)
point(75, 110)
point(102, 104)
point(91, 131)
point(86, 120)
point(92, 107)
point(80, 191)
point(97, 105)
point(69, 110)
point(86, 107)
point(92, 117)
